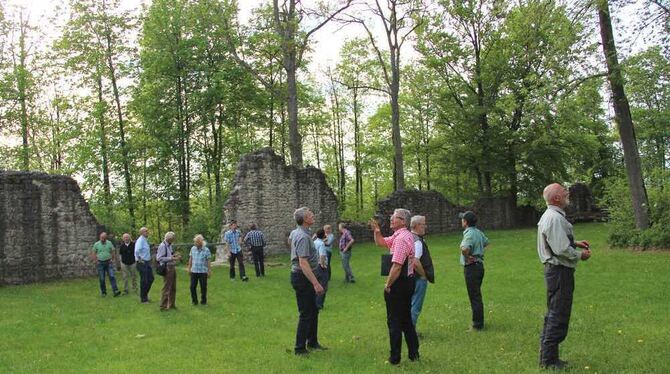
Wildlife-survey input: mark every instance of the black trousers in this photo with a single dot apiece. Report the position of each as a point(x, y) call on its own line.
point(146, 279)
point(240, 260)
point(560, 282)
point(308, 320)
point(202, 279)
point(329, 255)
point(474, 276)
point(259, 260)
point(399, 319)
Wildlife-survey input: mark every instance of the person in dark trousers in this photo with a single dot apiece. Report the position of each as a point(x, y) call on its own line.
point(558, 252)
point(399, 286)
point(256, 242)
point(322, 271)
point(128, 266)
point(304, 264)
point(143, 260)
point(472, 258)
point(200, 268)
point(233, 240)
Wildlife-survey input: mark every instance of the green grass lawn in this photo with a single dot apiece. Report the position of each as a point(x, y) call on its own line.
point(620, 320)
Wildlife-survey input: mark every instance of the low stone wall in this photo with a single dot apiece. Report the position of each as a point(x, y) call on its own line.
point(442, 215)
point(46, 228)
point(495, 213)
point(266, 191)
point(582, 206)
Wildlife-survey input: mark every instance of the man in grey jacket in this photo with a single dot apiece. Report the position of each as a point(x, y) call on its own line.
point(558, 252)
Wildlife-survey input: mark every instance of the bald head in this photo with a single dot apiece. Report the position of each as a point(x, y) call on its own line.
point(555, 194)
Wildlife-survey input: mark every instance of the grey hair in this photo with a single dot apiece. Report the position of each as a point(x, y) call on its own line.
point(200, 237)
point(404, 214)
point(551, 191)
point(416, 220)
point(142, 229)
point(169, 235)
point(300, 214)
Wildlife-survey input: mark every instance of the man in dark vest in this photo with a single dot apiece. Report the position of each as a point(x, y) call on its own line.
point(558, 251)
point(423, 264)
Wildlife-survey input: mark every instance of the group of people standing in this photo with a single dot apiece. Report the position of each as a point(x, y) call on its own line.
point(410, 272)
point(136, 258)
point(412, 269)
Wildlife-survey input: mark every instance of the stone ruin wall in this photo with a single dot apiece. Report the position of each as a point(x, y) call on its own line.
point(442, 216)
point(266, 191)
point(582, 206)
point(46, 228)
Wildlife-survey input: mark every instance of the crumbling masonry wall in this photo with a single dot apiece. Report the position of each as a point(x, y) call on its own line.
point(46, 228)
point(442, 216)
point(266, 191)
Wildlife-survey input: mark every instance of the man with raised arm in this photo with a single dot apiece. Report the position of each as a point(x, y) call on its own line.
point(399, 286)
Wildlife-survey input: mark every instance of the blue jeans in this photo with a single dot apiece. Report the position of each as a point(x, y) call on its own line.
point(322, 276)
point(346, 258)
point(106, 267)
point(417, 299)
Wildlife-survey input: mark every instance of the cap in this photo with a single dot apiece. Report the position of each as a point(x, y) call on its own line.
point(469, 217)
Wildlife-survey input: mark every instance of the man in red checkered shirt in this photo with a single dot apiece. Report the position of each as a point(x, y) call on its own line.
point(399, 286)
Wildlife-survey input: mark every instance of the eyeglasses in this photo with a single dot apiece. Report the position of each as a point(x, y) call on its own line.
point(396, 217)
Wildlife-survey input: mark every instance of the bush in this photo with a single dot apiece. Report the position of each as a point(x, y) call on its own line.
point(622, 231)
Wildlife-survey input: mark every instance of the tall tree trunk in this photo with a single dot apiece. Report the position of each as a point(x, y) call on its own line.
point(418, 164)
point(57, 153)
point(283, 130)
point(272, 110)
point(343, 175)
point(100, 112)
point(426, 146)
point(21, 73)
point(125, 160)
point(336, 148)
point(339, 148)
point(398, 165)
point(144, 187)
point(357, 152)
point(181, 158)
point(624, 120)
point(218, 156)
point(295, 140)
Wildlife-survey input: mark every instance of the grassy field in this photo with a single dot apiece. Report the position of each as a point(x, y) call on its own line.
point(620, 321)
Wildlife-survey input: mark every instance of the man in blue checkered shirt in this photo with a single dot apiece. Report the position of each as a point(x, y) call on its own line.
point(233, 240)
point(255, 241)
point(200, 268)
